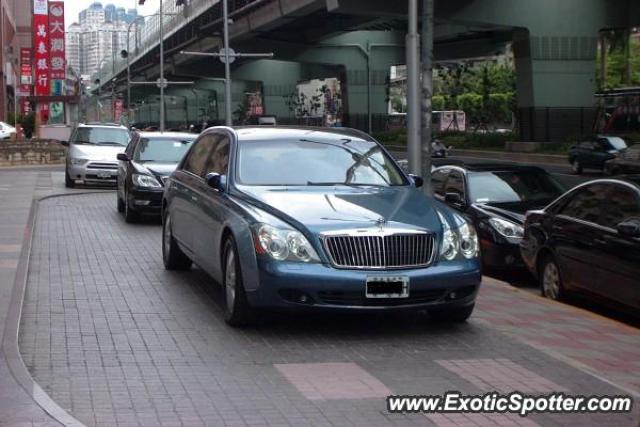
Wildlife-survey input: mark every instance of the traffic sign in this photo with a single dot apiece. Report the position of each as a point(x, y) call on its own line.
point(223, 57)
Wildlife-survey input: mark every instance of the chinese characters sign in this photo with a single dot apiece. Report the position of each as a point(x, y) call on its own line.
point(57, 65)
point(26, 79)
point(41, 47)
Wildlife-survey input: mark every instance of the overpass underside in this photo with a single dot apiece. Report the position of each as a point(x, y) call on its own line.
point(357, 41)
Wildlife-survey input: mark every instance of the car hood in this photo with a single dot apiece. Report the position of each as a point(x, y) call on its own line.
point(514, 211)
point(340, 208)
point(159, 168)
point(106, 153)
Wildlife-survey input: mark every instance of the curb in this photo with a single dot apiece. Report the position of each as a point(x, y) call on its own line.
point(9, 344)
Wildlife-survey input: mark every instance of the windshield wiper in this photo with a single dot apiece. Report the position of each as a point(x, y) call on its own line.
point(83, 142)
point(109, 143)
point(346, 184)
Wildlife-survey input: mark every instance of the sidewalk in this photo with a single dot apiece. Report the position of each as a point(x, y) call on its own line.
point(140, 346)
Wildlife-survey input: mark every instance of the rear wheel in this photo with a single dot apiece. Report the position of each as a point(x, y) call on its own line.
point(68, 182)
point(172, 255)
point(453, 314)
point(550, 279)
point(237, 310)
point(576, 166)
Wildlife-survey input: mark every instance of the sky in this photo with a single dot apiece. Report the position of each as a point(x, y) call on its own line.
point(73, 7)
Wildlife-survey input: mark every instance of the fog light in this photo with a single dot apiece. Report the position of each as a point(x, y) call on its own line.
point(509, 259)
point(303, 299)
point(141, 202)
point(453, 295)
point(296, 296)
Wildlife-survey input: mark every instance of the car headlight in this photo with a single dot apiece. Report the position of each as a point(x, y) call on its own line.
point(146, 181)
point(284, 245)
point(79, 162)
point(507, 228)
point(461, 239)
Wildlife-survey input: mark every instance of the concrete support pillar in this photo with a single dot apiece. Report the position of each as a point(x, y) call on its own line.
point(555, 84)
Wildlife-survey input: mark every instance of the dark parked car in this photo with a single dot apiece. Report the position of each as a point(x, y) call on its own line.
point(627, 162)
point(143, 169)
point(594, 153)
point(495, 198)
point(588, 241)
point(313, 218)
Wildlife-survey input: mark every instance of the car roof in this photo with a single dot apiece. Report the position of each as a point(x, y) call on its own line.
point(248, 133)
point(492, 167)
point(101, 125)
point(627, 179)
point(184, 135)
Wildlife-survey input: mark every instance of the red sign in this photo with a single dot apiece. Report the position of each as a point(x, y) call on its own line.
point(57, 64)
point(41, 49)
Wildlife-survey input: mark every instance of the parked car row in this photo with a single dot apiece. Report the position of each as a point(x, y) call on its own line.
point(586, 240)
point(307, 218)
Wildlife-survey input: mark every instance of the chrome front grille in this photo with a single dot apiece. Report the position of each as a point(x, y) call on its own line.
point(98, 165)
point(381, 251)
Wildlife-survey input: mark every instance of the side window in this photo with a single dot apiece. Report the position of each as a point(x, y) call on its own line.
point(219, 160)
point(603, 144)
point(455, 184)
point(623, 203)
point(586, 145)
point(198, 155)
point(438, 179)
point(586, 204)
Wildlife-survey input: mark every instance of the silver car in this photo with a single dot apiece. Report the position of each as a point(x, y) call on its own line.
point(93, 151)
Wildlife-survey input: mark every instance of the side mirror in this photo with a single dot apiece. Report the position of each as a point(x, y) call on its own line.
point(454, 199)
point(417, 180)
point(64, 143)
point(216, 181)
point(122, 157)
point(629, 228)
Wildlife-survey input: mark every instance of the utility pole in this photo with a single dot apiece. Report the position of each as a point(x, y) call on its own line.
point(227, 64)
point(162, 83)
point(414, 150)
point(427, 92)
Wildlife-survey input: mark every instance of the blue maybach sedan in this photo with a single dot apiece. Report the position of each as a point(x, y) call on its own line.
point(317, 219)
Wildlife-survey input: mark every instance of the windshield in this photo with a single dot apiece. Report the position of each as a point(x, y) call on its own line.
point(617, 142)
point(169, 150)
point(513, 186)
point(305, 163)
point(101, 136)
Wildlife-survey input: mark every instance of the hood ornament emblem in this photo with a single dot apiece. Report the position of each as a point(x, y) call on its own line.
point(381, 223)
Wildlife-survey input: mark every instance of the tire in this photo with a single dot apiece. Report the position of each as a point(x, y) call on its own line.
point(172, 256)
point(120, 203)
point(452, 315)
point(237, 311)
point(68, 182)
point(576, 167)
point(130, 216)
point(550, 279)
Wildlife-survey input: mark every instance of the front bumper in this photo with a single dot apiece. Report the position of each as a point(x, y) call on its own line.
point(501, 256)
point(103, 174)
point(321, 287)
point(146, 201)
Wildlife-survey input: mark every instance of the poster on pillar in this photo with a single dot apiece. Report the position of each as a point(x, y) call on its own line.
point(41, 54)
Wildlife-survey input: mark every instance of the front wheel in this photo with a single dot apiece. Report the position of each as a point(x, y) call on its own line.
point(237, 310)
point(130, 215)
point(453, 314)
point(68, 182)
point(550, 279)
point(576, 166)
point(172, 256)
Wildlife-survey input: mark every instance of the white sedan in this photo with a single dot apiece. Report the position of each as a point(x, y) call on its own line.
point(6, 130)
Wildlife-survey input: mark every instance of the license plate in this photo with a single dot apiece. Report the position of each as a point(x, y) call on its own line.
point(387, 287)
point(104, 174)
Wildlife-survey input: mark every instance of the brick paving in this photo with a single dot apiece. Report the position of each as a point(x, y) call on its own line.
point(116, 340)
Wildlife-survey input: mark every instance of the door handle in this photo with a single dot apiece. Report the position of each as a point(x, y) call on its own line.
point(194, 198)
point(600, 241)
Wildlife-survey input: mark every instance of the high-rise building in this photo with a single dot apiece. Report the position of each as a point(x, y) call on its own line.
point(98, 38)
